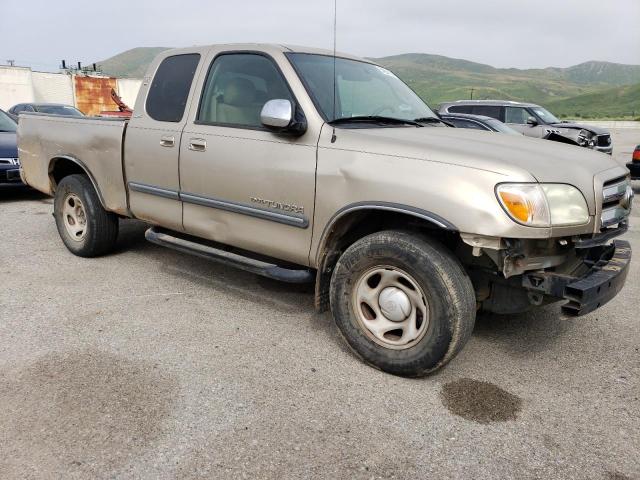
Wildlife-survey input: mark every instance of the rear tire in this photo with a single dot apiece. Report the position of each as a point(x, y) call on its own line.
point(403, 303)
point(86, 228)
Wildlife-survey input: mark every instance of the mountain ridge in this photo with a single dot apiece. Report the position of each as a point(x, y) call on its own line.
point(438, 78)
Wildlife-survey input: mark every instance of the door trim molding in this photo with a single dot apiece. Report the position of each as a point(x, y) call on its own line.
point(153, 190)
point(234, 207)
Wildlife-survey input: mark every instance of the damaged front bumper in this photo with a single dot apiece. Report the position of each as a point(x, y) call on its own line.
point(602, 276)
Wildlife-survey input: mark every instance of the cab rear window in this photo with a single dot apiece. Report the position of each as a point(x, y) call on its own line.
point(169, 90)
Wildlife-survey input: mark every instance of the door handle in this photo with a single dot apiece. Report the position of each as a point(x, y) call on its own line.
point(197, 144)
point(167, 141)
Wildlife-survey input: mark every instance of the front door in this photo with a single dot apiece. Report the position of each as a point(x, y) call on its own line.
point(242, 184)
point(516, 118)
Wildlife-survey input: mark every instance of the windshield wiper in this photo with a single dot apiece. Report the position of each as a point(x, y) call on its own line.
point(429, 120)
point(374, 119)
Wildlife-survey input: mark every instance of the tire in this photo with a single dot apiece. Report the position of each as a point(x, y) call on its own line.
point(442, 302)
point(86, 228)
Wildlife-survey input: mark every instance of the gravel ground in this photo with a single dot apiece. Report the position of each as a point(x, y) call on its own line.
point(153, 364)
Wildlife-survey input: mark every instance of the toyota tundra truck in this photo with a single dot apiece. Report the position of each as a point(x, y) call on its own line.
point(304, 166)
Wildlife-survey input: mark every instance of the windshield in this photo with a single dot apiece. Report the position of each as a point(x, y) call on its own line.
point(501, 127)
point(6, 123)
point(60, 110)
point(545, 115)
point(362, 89)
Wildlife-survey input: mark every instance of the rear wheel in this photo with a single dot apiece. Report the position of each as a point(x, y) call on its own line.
point(403, 303)
point(86, 228)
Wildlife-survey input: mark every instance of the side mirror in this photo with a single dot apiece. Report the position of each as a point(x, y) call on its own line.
point(532, 121)
point(277, 113)
point(280, 116)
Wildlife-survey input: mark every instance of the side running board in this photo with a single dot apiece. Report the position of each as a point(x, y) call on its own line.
point(259, 267)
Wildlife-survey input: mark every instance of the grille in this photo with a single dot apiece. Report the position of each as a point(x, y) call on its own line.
point(9, 161)
point(604, 140)
point(617, 197)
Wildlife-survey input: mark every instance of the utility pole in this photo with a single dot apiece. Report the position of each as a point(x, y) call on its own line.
point(11, 62)
point(472, 93)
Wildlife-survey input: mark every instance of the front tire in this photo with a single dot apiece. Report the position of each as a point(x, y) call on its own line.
point(86, 228)
point(403, 303)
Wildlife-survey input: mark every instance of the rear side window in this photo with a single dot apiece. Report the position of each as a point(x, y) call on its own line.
point(460, 109)
point(487, 110)
point(169, 90)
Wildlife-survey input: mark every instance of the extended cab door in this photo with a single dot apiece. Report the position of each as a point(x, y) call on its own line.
point(242, 184)
point(152, 141)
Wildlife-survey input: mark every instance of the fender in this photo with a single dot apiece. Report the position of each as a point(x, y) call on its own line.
point(430, 217)
point(83, 167)
point(322, 256)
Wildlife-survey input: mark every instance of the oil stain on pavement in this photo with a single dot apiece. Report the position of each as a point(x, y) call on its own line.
point(81, 413)
point(481, 402)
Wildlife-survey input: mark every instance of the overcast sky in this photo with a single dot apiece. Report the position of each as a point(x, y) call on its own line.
point(502, 33)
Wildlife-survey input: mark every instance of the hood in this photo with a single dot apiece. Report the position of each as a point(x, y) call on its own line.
point(517, 158)
point(8, 145)
point(579, 126)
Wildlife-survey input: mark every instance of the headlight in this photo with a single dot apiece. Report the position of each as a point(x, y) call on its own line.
point(543, 205)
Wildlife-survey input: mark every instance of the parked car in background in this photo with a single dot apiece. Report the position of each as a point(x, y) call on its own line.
point(9, 164)
point(477, 122)
point(53, 108)
point(534, 121)
point(634, 164)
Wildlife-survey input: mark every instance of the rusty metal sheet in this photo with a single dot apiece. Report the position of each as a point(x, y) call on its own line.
point(93, 94)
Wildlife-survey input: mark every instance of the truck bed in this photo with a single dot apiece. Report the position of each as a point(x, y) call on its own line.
point(93, 143)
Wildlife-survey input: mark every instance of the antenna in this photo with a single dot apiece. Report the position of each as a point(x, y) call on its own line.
point(335, 22)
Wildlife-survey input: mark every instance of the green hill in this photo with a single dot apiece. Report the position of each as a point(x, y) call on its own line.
point(438, 79)
point(616, 102)
point(594, 89)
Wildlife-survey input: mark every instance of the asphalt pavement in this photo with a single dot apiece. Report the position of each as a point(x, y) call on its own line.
point(151, 364)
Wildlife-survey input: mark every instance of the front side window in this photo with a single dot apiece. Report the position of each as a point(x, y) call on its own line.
point(545, 115)
point(517, 115)
point(6, 123)
point(169, 91)
point(237, 87)
point(362, 89)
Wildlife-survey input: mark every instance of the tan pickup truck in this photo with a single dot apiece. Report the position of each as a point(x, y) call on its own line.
point(252, 156)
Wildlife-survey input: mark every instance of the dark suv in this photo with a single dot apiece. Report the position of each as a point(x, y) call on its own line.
point(9, 164)
point(534, 121)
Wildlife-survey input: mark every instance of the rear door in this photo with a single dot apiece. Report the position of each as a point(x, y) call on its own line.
point(152, 141)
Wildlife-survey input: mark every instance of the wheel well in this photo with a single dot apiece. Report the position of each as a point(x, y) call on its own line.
point(63, 167)
point(353, 226)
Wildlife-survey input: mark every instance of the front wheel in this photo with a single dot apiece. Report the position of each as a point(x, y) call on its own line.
point(85, 227)
point(402, 302)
